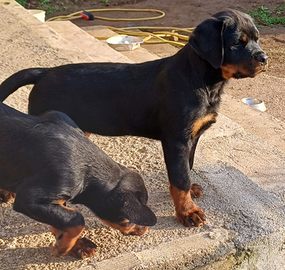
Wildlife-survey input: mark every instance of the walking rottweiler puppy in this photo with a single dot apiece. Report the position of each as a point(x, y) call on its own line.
point(48, 161)
point(174, 99)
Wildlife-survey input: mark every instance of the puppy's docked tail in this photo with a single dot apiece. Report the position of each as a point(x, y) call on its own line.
point(19, 79)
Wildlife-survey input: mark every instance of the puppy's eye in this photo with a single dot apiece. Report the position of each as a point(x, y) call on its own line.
point(239, 44)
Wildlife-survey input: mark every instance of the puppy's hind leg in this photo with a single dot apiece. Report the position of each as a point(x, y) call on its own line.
point(192, 151)
point(195, 190)
point(66, 223)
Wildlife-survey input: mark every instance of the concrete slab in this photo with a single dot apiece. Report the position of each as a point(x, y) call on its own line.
point(97, 50)
point(242, 176)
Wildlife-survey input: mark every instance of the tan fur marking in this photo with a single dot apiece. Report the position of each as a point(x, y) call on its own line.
point(67, 240)
point(229, 71)
point(83, 248)
point(87, 134)
point(200, 122)
point(196, 191)
point(244, 38)
point(7, 196)
point(182, 199)
point(127, 230)
point(185, 208)
point(61, 202)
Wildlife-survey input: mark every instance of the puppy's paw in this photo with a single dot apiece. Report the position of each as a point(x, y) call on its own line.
point(193, 216)
point(187, 212)
point(83, 248)
point(196, 191)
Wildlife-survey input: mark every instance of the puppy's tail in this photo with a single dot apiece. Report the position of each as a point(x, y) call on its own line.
point(19, 79)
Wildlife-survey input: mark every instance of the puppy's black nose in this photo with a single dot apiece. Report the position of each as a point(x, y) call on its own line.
point(261, 57)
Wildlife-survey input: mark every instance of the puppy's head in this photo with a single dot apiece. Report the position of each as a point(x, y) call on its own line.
point(127, 208)
point(230, 41)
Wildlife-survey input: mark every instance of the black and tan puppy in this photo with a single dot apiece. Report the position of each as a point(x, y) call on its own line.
point(48, 161)
point(174, 99)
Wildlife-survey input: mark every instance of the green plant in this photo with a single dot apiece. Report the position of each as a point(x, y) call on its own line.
point(261, 14)
point(22, 2)
point(47, 6)
point(44, 2)
point(264, 16)
point(50, 9)
point(105, 1)
point(44, 5)
point(280, 9)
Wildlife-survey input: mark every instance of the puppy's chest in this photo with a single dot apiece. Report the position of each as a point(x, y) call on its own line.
point(202, 123)
point(211, 98)
point(207, 113)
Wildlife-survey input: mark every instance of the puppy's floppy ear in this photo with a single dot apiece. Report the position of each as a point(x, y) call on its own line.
point(207, 41)
point(138, 213)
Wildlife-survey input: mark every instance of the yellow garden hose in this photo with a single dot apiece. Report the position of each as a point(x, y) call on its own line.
point(157, 36)
point(74, 15)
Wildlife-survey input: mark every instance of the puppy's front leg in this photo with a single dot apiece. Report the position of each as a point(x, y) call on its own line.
point(68, 241)
point(66, 223)
point(176, 155)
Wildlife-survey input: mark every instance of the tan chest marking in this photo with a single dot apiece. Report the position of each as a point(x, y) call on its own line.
point(201, 122)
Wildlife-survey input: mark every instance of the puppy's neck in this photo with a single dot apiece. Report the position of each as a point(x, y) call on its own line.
point(202, 72)
point(206, 81)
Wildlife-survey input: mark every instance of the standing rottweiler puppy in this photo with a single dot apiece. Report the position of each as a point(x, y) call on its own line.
point(174, 99)
point(48, 161)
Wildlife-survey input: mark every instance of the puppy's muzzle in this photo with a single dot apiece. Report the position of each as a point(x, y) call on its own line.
point(262, 59)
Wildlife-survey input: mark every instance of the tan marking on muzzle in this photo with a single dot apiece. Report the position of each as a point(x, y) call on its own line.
point(127, 230)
